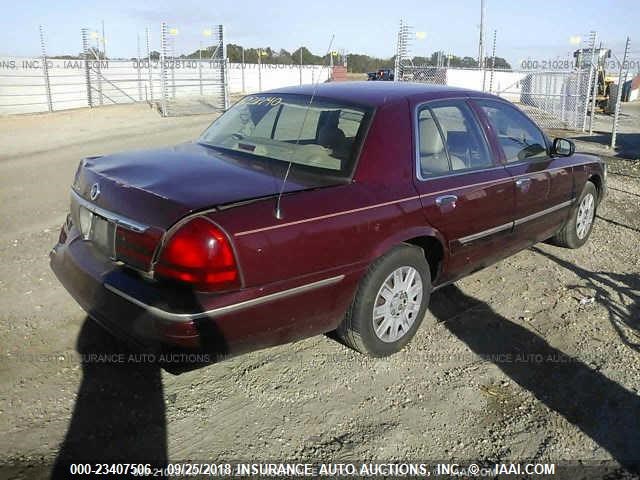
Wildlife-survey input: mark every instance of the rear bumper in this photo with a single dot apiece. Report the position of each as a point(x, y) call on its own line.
point(79, 270)
point(220, 324)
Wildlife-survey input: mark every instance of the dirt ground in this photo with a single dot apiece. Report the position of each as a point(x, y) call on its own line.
point(536, 357)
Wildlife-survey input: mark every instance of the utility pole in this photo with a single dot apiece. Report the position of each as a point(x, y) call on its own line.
point(481, 40)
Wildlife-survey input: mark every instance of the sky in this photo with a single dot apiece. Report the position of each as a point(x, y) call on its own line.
point(538, 30)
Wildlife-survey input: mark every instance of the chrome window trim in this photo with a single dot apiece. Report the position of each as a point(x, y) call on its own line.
point(112, 217)
point(234, 307)
point(457, 173)
point(416, 140)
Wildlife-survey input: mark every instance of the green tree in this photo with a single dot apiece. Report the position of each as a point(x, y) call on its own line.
point(356, 62)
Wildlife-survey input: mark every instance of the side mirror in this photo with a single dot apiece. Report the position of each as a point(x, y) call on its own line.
point(563, 147)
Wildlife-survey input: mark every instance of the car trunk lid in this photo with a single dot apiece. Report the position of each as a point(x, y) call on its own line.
point(129, 200)
point(159, 187)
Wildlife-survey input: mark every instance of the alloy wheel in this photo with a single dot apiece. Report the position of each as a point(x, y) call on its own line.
point(397, 304)
point(586, 212)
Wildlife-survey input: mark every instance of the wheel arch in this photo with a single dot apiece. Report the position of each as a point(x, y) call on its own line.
point(429, 240)
point(433, 252)
point(597, 181)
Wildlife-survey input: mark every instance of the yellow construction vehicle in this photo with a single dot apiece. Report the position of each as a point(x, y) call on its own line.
point(600, 56)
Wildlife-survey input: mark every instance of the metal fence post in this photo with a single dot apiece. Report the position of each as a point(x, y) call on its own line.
point(173, 65)
point(259, 70)
point(45, 70)
point(578, 90)
point(224, 66)
point(200, 67)
point(402, 48)
point(139, 67)
point(565, 92)
point(87, 68)
point(149, 65)
point(163, 70)
point(592, 46)
point(98, 69)
point(614, 131)
point(593, 95)
point(243, 86)
point(493, 61)
point(300, 65)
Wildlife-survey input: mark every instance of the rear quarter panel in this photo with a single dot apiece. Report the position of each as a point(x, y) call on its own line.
point(334, 229)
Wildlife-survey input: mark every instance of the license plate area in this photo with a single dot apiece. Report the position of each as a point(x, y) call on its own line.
point(99, 231)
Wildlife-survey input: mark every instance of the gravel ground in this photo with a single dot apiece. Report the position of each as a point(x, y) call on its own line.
point(533, 358)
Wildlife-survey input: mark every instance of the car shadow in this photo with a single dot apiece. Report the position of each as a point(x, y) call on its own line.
point(626, 175)
point(617, 224)
point(598, 406)
point(609, 187)
point(119, 414)
point(627, 144)
point(619, 293)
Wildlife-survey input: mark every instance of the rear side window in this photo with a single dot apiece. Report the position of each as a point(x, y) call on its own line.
point(519, 137)
point(449, 140)
point(433, 157)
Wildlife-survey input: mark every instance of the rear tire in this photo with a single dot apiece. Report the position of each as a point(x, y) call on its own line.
point(390, 303)
point(576, 231)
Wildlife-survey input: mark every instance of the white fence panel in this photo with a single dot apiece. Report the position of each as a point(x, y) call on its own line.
point(22, 84)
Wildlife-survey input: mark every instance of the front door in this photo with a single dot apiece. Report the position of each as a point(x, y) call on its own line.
point(543, 185)
point(465, 193)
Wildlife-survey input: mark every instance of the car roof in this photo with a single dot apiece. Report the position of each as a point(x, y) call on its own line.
point(379, 92)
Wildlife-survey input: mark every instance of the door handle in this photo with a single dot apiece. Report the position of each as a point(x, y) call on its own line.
point(523, 182)
point(447, 200)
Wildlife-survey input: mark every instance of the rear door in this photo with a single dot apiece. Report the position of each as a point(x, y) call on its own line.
point(543, 184)
point(465, 193)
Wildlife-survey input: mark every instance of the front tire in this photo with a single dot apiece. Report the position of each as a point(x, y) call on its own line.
point(576, 231)
point(390, 303)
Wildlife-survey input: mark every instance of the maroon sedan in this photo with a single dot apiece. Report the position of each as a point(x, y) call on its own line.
point(338, 207)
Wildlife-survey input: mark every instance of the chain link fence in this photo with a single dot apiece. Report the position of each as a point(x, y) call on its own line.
point(564, 96)
point(423, 74)
point(191, 86)
point(158, 73)
point(555, 99)
point(171, 83)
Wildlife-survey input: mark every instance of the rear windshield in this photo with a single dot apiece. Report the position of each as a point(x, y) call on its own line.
point(320, 135)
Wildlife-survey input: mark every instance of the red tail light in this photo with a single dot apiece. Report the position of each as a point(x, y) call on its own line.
point(136, 249)
point(200, 254)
